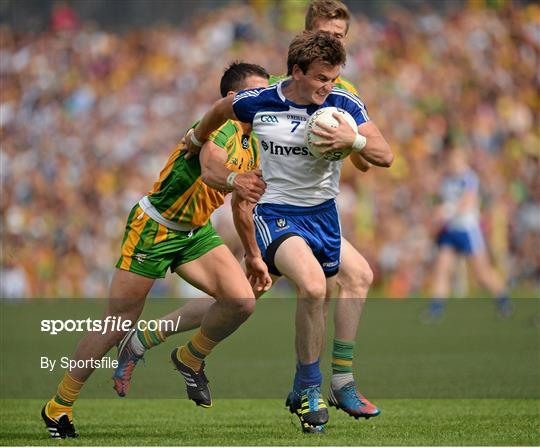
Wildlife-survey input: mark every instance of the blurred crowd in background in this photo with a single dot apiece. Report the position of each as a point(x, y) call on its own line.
point(88, 118)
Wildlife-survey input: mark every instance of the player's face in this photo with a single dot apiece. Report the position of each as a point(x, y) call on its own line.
point(336, 27)
point(317, 83)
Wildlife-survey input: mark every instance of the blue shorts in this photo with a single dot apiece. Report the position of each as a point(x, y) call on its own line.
point(467, 241)
point(317, 225)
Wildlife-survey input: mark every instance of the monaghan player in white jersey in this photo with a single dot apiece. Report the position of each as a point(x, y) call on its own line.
point(297, 224)
point(458, 217)
point(355, 275)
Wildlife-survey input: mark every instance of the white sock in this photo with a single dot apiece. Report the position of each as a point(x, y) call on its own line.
point(340, 379)
point(136, 345)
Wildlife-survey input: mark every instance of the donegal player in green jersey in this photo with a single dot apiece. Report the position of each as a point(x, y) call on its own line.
point(170, 229)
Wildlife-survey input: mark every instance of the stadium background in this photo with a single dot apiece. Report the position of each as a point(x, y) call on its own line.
point(95, 94)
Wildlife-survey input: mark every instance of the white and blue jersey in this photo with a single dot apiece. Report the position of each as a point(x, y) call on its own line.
point(462, 229)
point(301, 189)
point(292, 174)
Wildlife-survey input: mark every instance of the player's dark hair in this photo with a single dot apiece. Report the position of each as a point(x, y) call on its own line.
point(326, 10)
point(235, 74)
point(311, 46)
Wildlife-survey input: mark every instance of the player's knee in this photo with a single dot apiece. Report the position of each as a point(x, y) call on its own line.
point(248, 307)
point(365, 277)
point(356, 279)
point(243, 307)
point(315, 289)
point(240, 299)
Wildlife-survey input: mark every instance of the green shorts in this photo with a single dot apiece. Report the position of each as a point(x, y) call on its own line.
point(149, 248)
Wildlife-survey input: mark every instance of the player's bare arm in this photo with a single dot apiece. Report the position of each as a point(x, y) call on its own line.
point(214, 173)
point(220, 112)
point(376, 149)
point(257, 271)
point(359, 162)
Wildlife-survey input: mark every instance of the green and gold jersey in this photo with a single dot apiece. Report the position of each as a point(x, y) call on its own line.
point(181, 196)
point(341, 83)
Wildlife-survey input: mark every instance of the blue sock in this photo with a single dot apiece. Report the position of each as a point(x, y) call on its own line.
point(436, 307)
point(307, 375)
point(503, 303)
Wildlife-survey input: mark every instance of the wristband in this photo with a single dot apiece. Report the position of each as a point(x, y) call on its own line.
point(195, 140)
point(230, 180)
point(359, 143)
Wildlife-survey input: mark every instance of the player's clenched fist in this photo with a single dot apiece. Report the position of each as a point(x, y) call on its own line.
point(249, 186)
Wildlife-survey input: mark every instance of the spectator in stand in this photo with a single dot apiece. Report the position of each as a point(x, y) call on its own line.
point(75, 153)
point(64, 18)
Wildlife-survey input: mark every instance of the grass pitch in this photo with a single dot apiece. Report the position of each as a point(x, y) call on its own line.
point(266, 422)
point(472, 379)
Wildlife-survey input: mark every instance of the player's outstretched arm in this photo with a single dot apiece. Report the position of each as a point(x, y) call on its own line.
point(220, 112)
point(257, 271)
point(248, 186)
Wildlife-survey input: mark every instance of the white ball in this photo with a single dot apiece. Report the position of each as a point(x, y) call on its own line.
point(325, 115)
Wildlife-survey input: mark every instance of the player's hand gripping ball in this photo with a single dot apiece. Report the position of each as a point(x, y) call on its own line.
point(325, 115)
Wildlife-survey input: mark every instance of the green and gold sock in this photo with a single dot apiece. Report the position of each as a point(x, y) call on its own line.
point(150, 338)
point(62, 403)
point(193, 353)
point(342, 356)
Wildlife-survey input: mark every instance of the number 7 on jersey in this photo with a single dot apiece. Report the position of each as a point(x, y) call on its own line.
point(296, 123)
